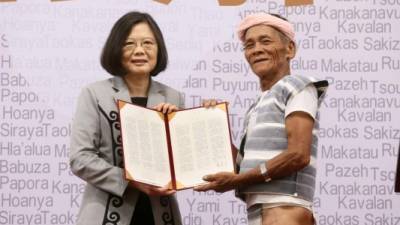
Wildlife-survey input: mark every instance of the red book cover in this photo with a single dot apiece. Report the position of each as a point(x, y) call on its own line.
point(175, 149)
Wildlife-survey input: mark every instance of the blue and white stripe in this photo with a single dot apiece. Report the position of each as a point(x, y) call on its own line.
point(267, 137)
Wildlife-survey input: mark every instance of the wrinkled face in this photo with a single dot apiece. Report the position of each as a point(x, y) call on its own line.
point(139, 54)
point(266, 51)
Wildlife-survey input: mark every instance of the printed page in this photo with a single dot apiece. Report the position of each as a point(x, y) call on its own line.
point(201, 144)
point(144, 145)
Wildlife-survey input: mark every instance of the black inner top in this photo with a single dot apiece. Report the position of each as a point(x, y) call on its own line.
point(143, 214)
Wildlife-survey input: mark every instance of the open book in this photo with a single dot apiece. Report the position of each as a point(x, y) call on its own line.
point(175, 149)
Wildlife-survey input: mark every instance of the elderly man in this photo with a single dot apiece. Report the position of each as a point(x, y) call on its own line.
point(278, 151)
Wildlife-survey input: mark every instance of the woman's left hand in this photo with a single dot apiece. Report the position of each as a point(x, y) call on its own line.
point(151, 190)
point(166, 107)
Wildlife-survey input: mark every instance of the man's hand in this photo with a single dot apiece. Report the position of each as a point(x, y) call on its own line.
point(166, 107)
point(151, 190)
point(209, 103)
point(219, 182)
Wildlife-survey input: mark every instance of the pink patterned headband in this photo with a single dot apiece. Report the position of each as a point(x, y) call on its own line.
point(263, 18)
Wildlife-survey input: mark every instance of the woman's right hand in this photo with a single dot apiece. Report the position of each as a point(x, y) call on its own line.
point(166, 107)
point(151, 190)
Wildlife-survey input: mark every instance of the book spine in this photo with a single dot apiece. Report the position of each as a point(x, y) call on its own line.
point(170, 156)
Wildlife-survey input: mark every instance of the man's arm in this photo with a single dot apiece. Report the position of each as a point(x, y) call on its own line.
point(299, 126)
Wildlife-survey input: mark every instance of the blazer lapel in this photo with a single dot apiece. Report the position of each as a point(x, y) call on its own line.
point(156, 94)
point(122, 92)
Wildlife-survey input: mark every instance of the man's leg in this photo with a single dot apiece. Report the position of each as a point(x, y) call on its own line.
point(287, 215)
point(254, 215)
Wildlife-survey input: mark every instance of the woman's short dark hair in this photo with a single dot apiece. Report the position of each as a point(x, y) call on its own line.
point(111, 56)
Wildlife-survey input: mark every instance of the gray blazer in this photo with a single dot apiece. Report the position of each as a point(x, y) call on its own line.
point(96, 155)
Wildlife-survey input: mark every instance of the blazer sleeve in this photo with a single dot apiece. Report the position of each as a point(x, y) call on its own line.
point(86, 159)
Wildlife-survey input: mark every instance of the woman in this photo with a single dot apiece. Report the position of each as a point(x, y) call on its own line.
point(134, 52)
